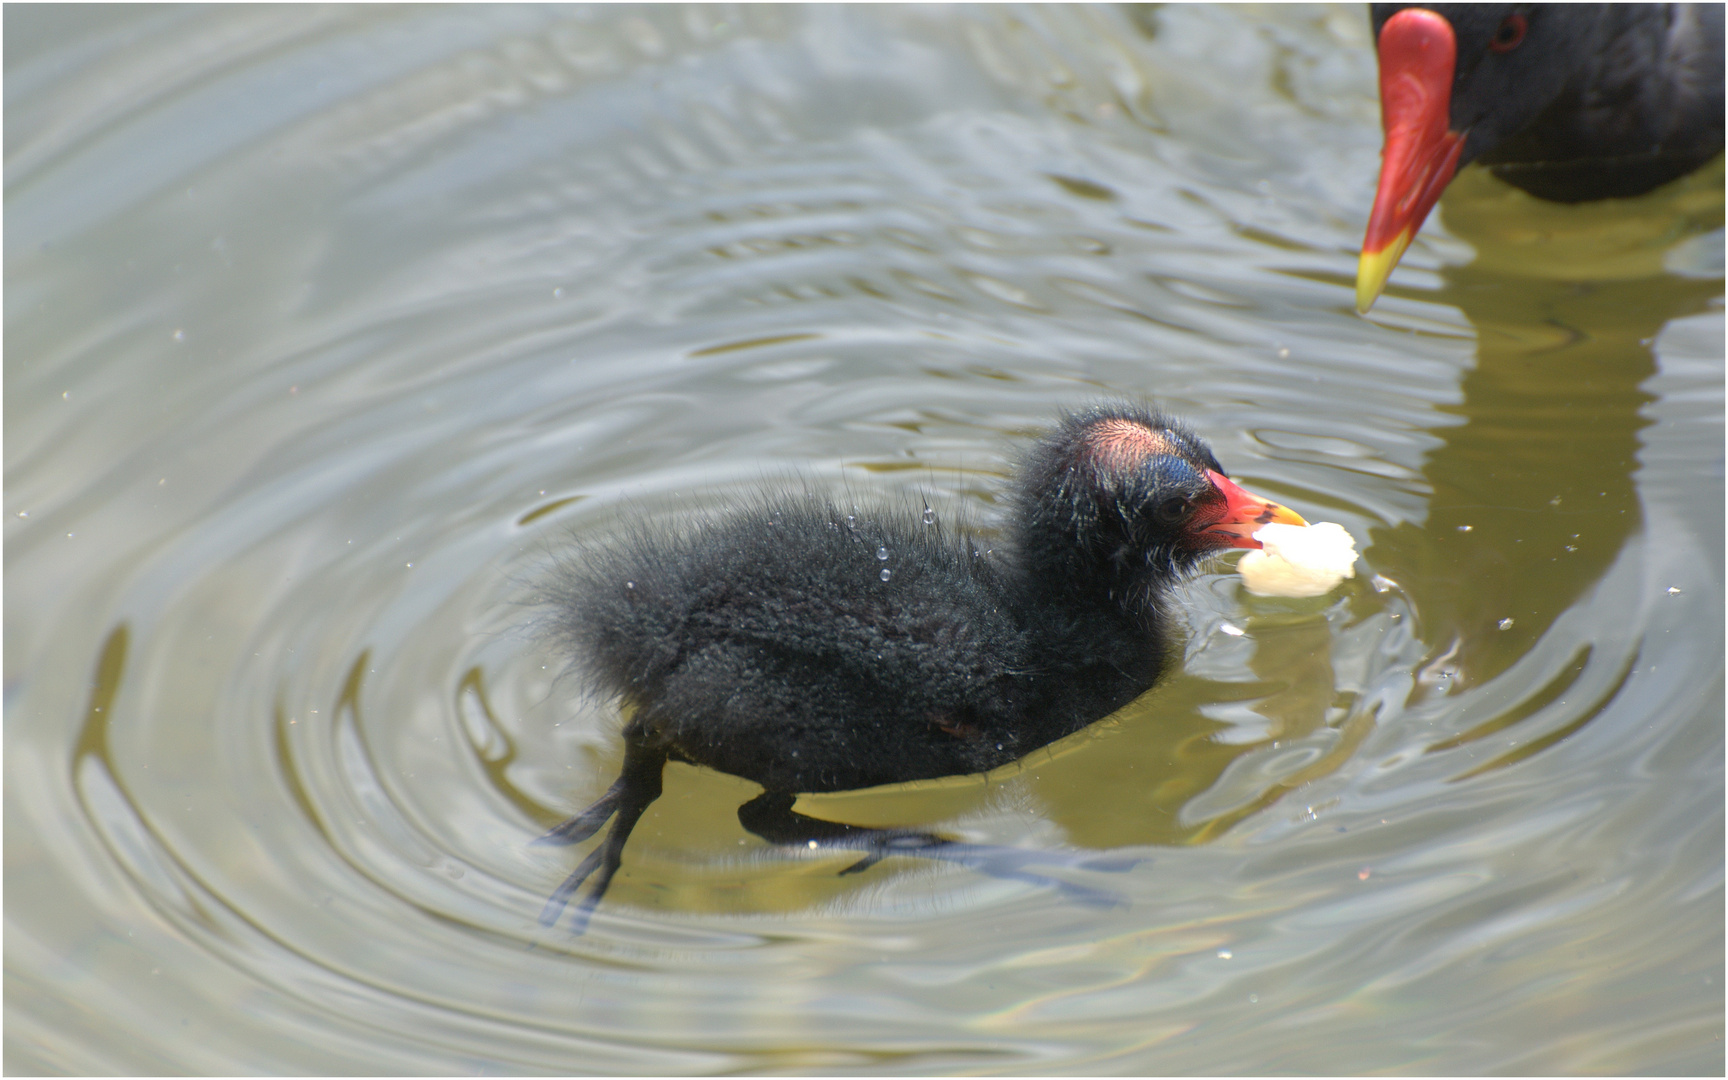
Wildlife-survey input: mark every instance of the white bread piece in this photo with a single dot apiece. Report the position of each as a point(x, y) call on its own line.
point(1299, 560)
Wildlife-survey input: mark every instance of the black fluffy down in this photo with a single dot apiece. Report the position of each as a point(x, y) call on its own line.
point(811, 648)
point(802, 646)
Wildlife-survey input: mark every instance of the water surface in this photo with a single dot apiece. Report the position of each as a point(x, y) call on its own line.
point(327, 328)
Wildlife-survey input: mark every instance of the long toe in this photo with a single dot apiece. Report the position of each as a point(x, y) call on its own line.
point(560, 897)
point(1020, 864)
point(588, 822)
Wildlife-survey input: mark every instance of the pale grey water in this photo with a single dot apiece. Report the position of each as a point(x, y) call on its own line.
point(325, 327)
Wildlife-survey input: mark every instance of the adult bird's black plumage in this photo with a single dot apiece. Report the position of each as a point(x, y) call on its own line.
point(812, 649)
point(1571, 102)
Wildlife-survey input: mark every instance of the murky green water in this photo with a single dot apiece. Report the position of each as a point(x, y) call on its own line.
point(326, 327)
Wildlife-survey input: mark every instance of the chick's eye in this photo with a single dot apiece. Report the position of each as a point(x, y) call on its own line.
point(1510, 33)
point(1170, 511)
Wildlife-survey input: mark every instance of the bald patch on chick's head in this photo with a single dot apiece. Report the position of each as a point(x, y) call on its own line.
point(1120, 444)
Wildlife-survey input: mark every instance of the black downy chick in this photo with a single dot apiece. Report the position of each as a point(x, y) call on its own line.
point(811, 650)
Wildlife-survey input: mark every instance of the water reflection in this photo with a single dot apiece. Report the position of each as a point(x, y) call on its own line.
point(1534, 490)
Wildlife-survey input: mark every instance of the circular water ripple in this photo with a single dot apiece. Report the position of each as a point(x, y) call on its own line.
point(328, 330)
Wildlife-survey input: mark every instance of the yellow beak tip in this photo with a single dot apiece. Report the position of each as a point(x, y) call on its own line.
point(1374, 268)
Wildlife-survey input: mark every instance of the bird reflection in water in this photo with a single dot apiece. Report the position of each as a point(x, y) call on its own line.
point(1534, 491)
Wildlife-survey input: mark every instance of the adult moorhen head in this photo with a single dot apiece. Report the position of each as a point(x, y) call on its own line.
point(811, 649)
point(1571, 102)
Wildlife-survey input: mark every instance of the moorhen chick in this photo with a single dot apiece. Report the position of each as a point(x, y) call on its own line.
point(810, 649)
point(1571, 102)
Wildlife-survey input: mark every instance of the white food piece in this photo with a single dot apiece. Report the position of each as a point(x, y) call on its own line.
point(1299, 560)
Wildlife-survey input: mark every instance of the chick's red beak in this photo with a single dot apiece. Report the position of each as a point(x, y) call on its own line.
point(1417, 55)
point(1244, 512)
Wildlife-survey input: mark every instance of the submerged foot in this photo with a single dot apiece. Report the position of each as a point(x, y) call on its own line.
point(770, 816)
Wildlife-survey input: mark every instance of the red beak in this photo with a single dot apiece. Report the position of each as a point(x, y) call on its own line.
point(1417, 55)
point(1244, 512)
